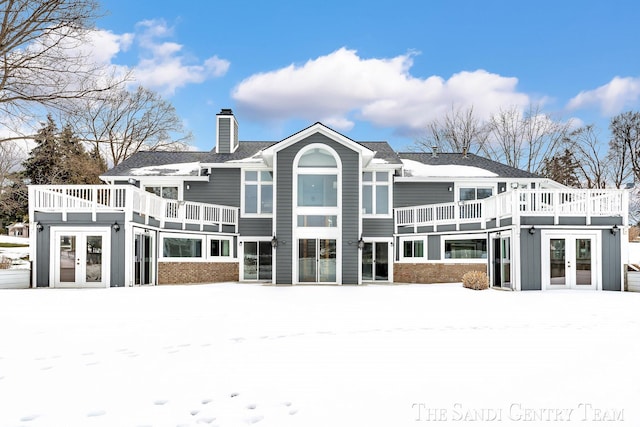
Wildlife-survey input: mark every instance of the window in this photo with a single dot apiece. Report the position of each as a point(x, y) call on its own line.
point(258, 192)
point(475, 193)
point(317, 220)
point(181, 247)
point(166, 192)
point(317, 190)
point(317, 179)
point(219, 248)
point(375, 193)
point(413, 249)
point(465, 249)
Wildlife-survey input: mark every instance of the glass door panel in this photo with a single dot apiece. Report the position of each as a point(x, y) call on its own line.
point(264, 260)
point(93, 270)
point(382, 261)
point(367, 261)
point(327, 261)
point(557, 263)
point(250, 260)
point(583, 262)
point(67, 259)
point(307, 260)
point(505, 262)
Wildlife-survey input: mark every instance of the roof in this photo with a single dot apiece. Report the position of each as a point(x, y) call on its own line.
point(246, 149)
point(472, 160)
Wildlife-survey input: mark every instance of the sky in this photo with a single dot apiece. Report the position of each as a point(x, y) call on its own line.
point(375, 70)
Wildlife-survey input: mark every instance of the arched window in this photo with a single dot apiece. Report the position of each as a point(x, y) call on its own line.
point(317, 179)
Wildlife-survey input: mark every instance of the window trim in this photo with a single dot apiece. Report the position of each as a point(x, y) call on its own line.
point(493, 188)
point(162, 257)
point(444, 238)
point(413, 259)
point(259, 183)
point(179, 186)
point(205, 240)
point(220, 258)
point(374, 184)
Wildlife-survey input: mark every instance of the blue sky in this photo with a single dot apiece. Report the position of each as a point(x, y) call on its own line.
point(375, 70)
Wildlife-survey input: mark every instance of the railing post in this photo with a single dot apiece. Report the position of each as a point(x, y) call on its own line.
point(94, 203)
point(588, 207)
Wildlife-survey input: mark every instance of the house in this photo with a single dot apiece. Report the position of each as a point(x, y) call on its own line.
point(18, 229)
point(319, 207)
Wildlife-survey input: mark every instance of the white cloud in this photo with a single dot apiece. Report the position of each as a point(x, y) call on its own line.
point(611, 98)
point(341, 86)
point(164, 66)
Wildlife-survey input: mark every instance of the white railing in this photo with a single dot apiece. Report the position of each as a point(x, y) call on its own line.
point(125, 198)
point(517, 203)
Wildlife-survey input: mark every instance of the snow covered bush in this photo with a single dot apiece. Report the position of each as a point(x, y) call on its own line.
point(5, 263)
point(477, 280)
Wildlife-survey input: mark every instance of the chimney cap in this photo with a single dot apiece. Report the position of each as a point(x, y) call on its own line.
point(225, 112)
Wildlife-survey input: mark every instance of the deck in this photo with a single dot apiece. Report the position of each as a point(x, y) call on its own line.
point(65, 199)
point(515, 205)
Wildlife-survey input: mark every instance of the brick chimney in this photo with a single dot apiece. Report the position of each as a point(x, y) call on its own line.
point(227, 131)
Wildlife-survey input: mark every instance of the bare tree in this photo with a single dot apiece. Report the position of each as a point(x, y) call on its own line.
point(587, 150)
point(625, 143)
point(524, 140)
point(43, 61)
point(459, 131)
point(10, 158)
point(125, 122)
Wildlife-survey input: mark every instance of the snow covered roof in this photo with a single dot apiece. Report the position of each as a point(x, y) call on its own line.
point(417, 169)
point(459, 165)
point(172, 169)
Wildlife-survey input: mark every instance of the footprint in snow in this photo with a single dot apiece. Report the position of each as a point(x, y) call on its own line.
point(252, 406)
point(205, 401)
point(29, 417)
point(194, 412)
point(254, 419)
point(160, 402)
point(234, 394)
point(97, 413)
point(238, 339)
point(293, 412)
point(206, 420)
point(92, 363)
point(88, 354)
point(46, 368)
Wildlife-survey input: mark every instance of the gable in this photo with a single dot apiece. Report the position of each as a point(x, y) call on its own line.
point(318, 131)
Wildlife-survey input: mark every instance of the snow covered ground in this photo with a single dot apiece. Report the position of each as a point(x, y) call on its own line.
point(241, 354)
point(15, 253)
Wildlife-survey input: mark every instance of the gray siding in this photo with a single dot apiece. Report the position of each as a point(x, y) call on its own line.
point(611, 260)
point(224, 135)
point(235, 134)
point(78, 220)
point(223, 188)
point(350, 203)
point(255, 226)
point(377, 227)
point(433, 248)
point(421, 193)
point(530, 261)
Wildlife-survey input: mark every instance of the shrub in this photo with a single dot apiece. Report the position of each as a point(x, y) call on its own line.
point(477, 280)
point(5, 263)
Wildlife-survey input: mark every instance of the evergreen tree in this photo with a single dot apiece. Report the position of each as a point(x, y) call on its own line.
point(562, 168)
point(60, 158)
point(43, 165)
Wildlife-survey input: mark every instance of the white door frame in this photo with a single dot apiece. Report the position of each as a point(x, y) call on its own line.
point(570, 237)
point(153, 256)
point(492, 248)
point(81, 234)
point(390, 257)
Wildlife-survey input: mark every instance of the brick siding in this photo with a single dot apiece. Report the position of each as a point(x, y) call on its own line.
point(433, 272)
point(172, 273)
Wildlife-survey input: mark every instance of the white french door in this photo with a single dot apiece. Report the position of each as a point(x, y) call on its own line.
point(375, 261)
point(144, 260)
point(81, 257)
point(570, 260)
point(317, 261)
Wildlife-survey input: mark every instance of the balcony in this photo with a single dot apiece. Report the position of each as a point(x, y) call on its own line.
point(65, 199)
point(516, 204)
